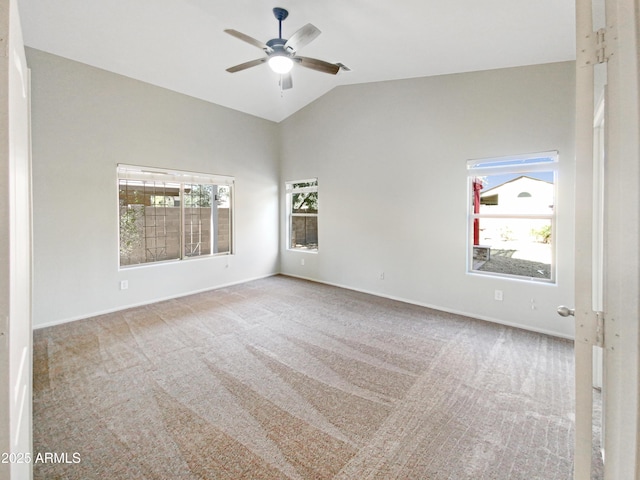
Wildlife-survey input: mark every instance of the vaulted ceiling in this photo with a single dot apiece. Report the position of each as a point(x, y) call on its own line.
point(181, 44)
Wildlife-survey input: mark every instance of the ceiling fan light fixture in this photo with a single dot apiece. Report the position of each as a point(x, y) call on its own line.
point(280, 64)
point(282, 52)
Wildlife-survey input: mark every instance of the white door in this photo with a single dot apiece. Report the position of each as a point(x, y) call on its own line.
point(607, 273)
point(15, 253)
point(622, 243)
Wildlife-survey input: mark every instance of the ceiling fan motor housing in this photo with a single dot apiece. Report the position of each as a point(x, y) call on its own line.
point(277, 46)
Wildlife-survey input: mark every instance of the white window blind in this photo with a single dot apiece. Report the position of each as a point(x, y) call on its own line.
point(152, 174)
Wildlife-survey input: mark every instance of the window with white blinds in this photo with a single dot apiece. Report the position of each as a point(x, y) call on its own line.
point(169, 215)
point(512, 215)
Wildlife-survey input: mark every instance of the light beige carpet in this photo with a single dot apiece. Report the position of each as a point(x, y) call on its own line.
point(287, 379)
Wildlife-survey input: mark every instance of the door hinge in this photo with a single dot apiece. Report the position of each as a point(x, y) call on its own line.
point(599, 329)
point(597, 47)
point(589, 325)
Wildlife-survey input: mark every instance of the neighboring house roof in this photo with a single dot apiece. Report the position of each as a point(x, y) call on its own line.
point(523, 194)
point(518, 179)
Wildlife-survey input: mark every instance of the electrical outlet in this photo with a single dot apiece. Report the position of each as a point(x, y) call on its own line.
point(381, 275)
point(302, 261)
point(497, 295)
point(124, 284)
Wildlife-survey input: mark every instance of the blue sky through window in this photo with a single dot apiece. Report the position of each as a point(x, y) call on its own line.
point(492, 181)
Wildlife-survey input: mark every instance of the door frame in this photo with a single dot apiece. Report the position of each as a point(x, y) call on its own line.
point(620, 330)
point(622, 243)
point(15, 252)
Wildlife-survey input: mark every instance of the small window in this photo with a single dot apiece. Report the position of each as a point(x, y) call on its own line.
point(302, 213)
point(171, 215)
point(512, 216)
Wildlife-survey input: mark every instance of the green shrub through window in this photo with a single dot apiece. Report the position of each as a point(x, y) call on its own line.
point(302, 214)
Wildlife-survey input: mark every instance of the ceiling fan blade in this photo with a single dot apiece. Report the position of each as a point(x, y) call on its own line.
point(248, 39)
point(245, 65)
point(286, 82)
point(319, 65)
point(301, 38)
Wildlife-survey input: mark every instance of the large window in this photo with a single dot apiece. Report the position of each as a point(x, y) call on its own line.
point(512, 206)
point(302, 206)
point(171, 215)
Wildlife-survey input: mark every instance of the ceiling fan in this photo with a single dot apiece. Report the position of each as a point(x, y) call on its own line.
point(282, 53)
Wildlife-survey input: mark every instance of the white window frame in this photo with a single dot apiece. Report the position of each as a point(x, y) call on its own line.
point(492, 166)
point(181, 178)
point(290, 191)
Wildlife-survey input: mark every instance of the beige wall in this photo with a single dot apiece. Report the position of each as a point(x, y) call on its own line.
point(390, 159)
point(85, 122)
point(397, 150)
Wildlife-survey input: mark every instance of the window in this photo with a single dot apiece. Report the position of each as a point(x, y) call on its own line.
point(512, 216)
point(302, 206)
point(171, 215)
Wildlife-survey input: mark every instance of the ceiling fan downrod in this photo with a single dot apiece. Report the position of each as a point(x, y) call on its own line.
point(280, 14)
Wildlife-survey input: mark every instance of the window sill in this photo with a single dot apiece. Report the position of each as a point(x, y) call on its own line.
point(303, 250)
point(174, 261)
point(517, 278)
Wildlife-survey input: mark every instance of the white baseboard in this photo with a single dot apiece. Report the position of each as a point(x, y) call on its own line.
point(346, 287)
point(155, 300)
point(437, 307)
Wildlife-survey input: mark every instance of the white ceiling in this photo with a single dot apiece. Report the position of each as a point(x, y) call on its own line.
point(180, 44)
